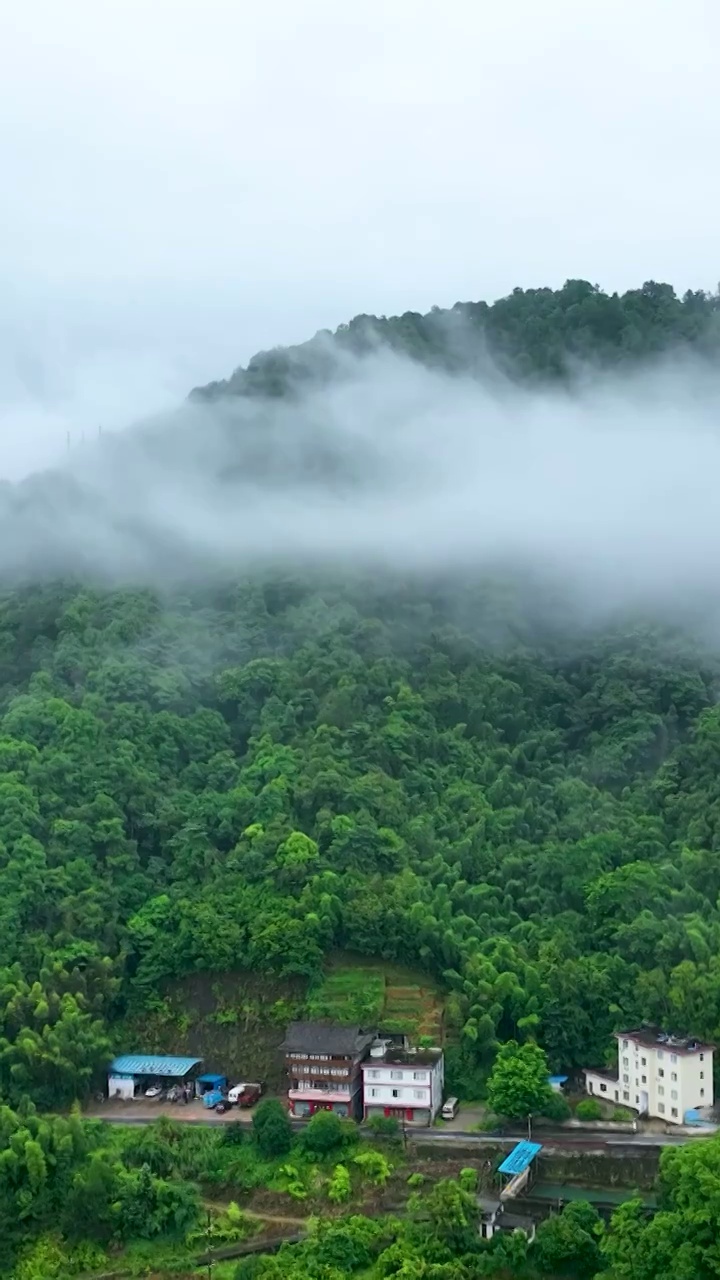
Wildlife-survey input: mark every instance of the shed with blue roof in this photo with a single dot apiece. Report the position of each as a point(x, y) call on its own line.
point(129, 1074)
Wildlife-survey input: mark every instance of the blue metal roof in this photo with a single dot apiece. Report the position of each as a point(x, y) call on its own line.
point(557, 1079)
point(151, 1064)
point(211, 1078)
point(520, 1157)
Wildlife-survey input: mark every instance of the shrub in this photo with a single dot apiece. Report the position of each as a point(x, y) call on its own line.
point(272, 1130)
point(622, 1115)
point(233, 1134)
point(374, 1166)
point(339, 1187)
point(588, 1109)
point(468, 1180)
point(416, 1179)
point(557, 1108)
point(384, 1126)
point(327, 1132)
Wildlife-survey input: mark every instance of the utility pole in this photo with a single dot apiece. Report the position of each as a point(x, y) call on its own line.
point(530, 1127)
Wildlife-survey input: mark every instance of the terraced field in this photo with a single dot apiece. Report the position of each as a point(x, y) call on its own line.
point(355, 989)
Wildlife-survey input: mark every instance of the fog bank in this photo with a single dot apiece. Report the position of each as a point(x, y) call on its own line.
point(611, 486)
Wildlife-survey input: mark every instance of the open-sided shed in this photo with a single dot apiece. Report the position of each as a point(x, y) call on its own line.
point(131, 1072)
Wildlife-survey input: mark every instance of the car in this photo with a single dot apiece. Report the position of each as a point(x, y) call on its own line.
point(154, 1090)
point(251, 1094)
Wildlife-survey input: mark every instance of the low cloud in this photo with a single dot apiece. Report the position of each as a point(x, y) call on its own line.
point(610, 486)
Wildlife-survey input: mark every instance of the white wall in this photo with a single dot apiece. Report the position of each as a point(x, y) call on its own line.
point(385, 1085)
point(121, 1086)
point(674, 1082)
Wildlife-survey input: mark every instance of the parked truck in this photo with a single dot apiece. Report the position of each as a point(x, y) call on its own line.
point(245, 1094)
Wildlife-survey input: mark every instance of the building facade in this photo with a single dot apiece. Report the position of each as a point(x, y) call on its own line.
point(323, 1062)
point(405, 1083)
point(658, 1075)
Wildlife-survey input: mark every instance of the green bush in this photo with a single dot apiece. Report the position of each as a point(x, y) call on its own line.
point(557, 1108)
point(416, 1180)
point(272, 1130)
point(327, 1132)
point(339, 1187)
point(588, 1109)
point(374, 1167)
point(621, 1115)
point(233, 1134)
point(384, 1126)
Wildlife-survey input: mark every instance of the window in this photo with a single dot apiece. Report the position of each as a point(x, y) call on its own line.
point(396, 1075)
point(661, 1106)
point(373, 1093)
point(626, 1079)
point(419, 1093)
point(702, 1057)
point(626, 1062)
point(702, 1093)
point(625, 1044)
point(396, 1093)
point(661, 1090)
point(626, 1096)
point(702, 1075)
point(673, 1111)
point(637, 1099)
point(374, 1075)
point(660, 1071)
point(673, 1057)
point(603, 1088)
point(643, 1079)
point(673, 1094)
point(661, 1053)
point(673, 1075)
point(643, 1062)
point(418, 1075)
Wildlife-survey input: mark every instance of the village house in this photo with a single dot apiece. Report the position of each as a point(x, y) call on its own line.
point(401, 1082)
point(658, 1075)
point(323, 1062)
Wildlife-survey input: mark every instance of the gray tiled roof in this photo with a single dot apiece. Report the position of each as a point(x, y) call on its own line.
point(326, 1037)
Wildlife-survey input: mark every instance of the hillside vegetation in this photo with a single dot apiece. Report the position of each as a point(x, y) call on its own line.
point(251, 773)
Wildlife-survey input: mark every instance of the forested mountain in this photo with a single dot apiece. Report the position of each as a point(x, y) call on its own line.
point(260, 766)
point(530, 334)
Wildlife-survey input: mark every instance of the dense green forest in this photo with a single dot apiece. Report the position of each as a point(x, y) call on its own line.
point(254, 770)
point(532, 334)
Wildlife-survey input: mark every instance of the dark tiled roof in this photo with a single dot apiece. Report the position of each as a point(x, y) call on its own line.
point(326, 1037)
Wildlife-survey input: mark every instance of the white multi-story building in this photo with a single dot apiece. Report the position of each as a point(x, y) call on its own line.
point(658, 1075)
point(405, 1083)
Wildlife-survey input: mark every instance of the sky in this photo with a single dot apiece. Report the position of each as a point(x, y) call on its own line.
point(186, 182)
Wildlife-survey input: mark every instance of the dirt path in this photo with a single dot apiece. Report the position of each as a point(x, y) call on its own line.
point(257, 1214)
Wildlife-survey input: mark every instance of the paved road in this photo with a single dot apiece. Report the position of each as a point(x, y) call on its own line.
point(595, 1140)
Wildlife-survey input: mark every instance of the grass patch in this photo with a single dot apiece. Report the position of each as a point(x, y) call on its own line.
point(354, 989)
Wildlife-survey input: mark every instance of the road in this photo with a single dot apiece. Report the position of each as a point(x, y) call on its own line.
point(596, 1140)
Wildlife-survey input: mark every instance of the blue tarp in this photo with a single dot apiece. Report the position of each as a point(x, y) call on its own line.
point(520, 1157)
point(151, 1064)
point(557, 1079)
point(210, 1078)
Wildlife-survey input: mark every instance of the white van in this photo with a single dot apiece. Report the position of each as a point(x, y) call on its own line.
point(450, 1109)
